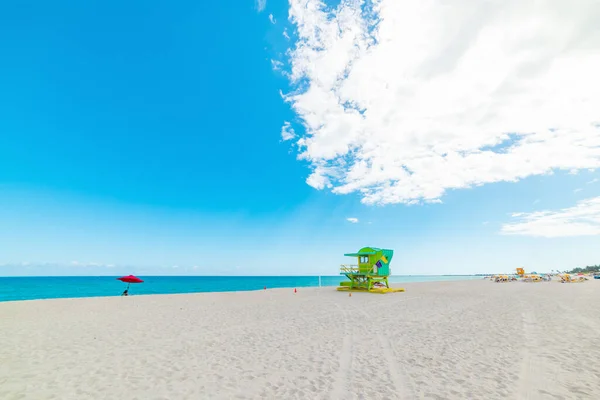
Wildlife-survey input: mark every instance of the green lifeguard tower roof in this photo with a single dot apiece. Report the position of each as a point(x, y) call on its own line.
point(373, 251)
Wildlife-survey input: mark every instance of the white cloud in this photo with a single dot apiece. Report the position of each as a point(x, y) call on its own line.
point(261, 4)
point(272, 18)
point(276, 65)
point(580, 220)
point(352, 220)
point(536, 201)
point(405, 100)
point(89, 264)
point(287, 132)
point(592, 181)
point(285, 34)
point(577, 190)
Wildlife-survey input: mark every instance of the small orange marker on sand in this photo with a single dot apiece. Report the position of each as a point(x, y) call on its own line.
point(349, 294)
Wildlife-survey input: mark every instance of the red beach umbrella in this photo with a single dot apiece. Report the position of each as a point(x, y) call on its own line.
point(129, 279)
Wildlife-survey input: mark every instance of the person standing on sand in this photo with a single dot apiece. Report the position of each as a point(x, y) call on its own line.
point(125, 293)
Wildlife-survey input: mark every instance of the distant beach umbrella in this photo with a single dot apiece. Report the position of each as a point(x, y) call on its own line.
point(129, 279)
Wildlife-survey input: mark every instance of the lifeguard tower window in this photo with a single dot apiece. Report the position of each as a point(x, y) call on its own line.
point(364, 259)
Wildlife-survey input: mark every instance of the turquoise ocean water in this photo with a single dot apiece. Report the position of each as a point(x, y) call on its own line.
point(31, 288)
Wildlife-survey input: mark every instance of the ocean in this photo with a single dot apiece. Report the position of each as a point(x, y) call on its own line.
point(32, 288)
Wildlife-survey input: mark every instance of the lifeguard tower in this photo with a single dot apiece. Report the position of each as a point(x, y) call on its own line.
point(520, 272)
point(371, 273)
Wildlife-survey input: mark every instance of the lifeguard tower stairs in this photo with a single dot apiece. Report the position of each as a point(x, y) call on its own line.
point(371, 272)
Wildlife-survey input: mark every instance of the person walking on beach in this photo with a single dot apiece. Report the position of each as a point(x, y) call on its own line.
point(125, 293)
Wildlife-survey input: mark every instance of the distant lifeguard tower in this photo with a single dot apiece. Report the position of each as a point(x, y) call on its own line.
point(520, 272)
point(371, 272)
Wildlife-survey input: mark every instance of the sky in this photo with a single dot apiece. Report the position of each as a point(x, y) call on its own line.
point(271, 137)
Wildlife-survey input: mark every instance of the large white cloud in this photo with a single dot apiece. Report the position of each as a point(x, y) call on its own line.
point(580, 220)
point(402, 100)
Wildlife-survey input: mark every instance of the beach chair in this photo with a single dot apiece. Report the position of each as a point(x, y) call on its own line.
point(566, 278)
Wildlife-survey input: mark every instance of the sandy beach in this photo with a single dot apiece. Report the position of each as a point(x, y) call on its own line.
point(446, 340)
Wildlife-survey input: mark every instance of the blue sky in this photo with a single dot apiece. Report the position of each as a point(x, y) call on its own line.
point(146, 138)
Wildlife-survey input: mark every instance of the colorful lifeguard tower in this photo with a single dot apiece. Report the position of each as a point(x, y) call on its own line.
point(371, 273)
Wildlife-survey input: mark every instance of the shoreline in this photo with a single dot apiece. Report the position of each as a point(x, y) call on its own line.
point(160, 285)
point(275, 289)
point(224, 276)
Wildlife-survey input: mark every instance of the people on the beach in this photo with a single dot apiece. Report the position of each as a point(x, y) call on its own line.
point(125, 293)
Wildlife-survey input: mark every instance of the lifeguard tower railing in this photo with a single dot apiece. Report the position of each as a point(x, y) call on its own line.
point(355, 269)
point(346, 269)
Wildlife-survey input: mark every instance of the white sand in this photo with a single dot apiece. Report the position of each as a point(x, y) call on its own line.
point(456, 340)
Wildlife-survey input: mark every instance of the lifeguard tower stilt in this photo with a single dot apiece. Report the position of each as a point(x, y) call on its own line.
point(370, 274)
